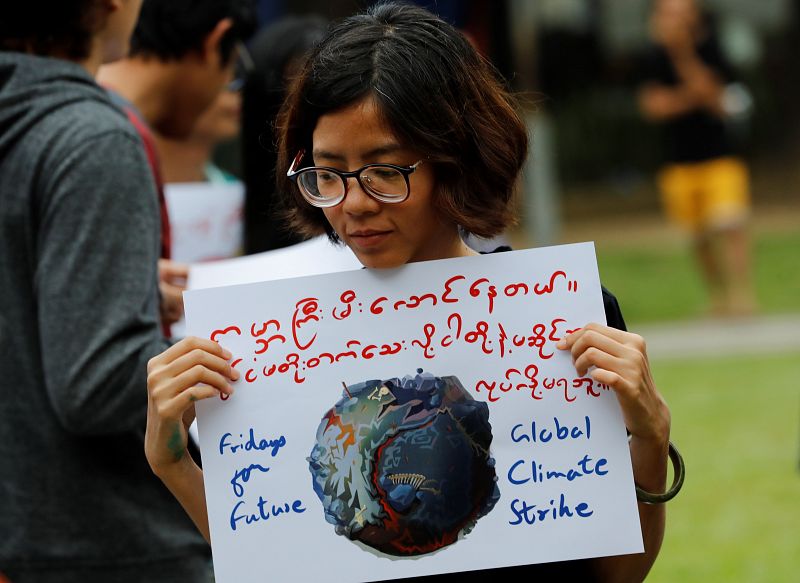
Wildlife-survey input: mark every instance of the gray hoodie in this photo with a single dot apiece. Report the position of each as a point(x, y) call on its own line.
point(79, 239)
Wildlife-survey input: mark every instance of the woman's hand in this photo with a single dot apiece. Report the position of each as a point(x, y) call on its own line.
point(619, 360)
point(191, 370)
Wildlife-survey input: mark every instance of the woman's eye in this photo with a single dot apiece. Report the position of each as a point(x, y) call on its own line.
point(386, 173)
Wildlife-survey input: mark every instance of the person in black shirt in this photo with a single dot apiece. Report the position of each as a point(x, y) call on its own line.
point(705, 187)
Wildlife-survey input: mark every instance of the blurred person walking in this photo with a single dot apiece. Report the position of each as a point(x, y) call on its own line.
point(686, 88)
point(78, 253)
point(183, 53)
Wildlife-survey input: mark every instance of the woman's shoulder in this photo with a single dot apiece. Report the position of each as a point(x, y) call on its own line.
point(613, 312)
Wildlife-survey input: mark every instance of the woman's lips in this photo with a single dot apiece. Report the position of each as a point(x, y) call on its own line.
point(368, 238)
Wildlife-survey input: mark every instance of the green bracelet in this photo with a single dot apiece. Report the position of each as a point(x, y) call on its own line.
point(679, 469)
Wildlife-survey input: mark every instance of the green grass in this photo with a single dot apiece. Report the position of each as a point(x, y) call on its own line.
point(776, 271)
point(736, 422)
point(662, 283)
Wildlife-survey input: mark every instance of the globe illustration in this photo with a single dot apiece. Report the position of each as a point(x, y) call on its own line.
point(403, 465)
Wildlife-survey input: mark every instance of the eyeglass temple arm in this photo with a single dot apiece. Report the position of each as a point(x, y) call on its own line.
point(295, 163)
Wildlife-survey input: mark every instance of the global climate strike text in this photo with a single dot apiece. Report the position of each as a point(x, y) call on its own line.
point(527, 472)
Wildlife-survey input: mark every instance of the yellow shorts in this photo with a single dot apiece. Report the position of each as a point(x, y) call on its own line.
point(706, 195)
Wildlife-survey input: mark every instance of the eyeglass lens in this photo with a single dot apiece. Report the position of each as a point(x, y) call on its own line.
point(384, 181)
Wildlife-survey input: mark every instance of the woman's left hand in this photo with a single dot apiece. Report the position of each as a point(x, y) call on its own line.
point(620, 361)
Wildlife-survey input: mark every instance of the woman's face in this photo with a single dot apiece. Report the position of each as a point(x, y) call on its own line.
point(222, 119)
point(381, 234)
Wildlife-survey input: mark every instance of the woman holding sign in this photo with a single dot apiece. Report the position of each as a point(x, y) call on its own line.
point(396, 139)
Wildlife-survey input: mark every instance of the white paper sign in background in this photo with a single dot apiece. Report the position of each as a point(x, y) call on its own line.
point(205, 220)
point(312, 257)
point(559, 444)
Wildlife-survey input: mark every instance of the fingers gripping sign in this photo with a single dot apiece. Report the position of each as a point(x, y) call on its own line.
point(192, 369)
point(619, 360)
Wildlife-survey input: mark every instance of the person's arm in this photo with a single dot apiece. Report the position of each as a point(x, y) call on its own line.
point(95, 282)
point(698, 87)
point(620, 361)
point(191, 370)
point(698, 80)
point(659, 102)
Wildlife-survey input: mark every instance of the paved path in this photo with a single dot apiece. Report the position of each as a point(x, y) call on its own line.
point(741, 336)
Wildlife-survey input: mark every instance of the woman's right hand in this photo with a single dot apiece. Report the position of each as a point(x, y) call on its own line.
point(192, 369)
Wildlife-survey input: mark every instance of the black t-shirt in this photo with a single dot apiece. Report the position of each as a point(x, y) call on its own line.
point(697, 135)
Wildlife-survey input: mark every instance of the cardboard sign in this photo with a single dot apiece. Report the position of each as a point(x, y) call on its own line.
point(413, 421)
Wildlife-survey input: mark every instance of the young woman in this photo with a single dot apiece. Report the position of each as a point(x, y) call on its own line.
point(395, 139)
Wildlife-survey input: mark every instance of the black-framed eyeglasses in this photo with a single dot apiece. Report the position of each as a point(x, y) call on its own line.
point(325, 187)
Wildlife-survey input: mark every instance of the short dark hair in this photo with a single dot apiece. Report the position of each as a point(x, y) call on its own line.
point(170, 29)
point(435, 92)
point(61, 29)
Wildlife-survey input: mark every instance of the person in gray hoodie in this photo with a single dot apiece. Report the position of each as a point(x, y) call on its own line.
point(79, 244)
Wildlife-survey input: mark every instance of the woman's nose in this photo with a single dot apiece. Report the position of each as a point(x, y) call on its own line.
point(357, 201)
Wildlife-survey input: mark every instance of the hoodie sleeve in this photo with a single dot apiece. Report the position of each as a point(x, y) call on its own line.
point(96, 284)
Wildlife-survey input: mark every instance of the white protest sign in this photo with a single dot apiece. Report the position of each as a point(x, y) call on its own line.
point(312, 257)
point(337, 459)
point(205, 220)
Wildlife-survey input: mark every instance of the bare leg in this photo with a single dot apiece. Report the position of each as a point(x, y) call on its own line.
point(711, 270)
point(725, 262)
point(735, 252)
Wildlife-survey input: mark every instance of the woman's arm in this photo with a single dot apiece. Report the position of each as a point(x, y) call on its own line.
point(620, 361)
point(191, 370)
